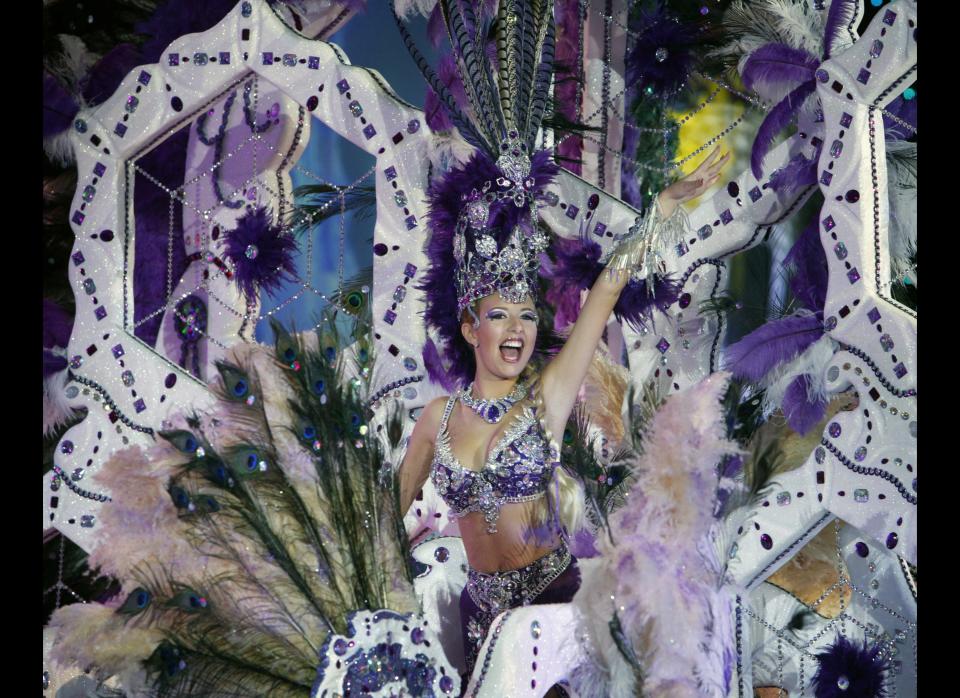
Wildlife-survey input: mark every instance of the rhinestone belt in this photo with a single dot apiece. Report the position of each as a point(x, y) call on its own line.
point(499, 590)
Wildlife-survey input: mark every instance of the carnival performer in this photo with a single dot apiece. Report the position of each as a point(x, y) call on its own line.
point(490, 448)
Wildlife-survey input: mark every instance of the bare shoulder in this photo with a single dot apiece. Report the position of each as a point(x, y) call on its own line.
point(432, 414)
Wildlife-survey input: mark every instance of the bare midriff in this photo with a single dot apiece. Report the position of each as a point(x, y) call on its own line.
point(521, 538)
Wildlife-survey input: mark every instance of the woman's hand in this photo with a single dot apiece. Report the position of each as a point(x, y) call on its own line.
point(694, 184)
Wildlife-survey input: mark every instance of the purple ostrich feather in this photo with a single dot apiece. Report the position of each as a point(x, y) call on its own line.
point(436, 112)
point(838, 18)
point(664, 73)
point(772, 344)
point(57, 325)
point(810, 272)
point(802, 415)
point(776, 120)
point(799, 172)
point(59, 106)
point(267, 266)
point(775, 65)
point(445, 203)
point(850, 670)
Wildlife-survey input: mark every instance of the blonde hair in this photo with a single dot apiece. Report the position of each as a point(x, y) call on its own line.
point(568, 490)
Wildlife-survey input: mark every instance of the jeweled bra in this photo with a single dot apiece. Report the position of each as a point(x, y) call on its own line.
point(516, 470)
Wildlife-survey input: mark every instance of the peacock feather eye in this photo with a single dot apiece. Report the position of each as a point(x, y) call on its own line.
point(136, 602)
point(208, 504)
point(219, 474)
point(235, 382)
point(181, 500)
point(168, 660)
point(247, 461)
point(319, 386)
point(183, 441)
point(286, 346)
point(354, 301)
point(190, 601)
point(330, 353)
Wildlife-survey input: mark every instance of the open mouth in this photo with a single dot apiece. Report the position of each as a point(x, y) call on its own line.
point(511, 350)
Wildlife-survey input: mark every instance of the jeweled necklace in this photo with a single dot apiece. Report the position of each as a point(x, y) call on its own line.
point(492, 411)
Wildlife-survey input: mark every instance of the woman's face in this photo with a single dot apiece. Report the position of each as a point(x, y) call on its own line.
point(505, 337)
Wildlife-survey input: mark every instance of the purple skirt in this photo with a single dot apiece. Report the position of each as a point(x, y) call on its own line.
point(554, 578)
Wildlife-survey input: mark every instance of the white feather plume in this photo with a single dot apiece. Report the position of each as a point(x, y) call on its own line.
point(812, 361)
point(56, 409)
point(408, 8)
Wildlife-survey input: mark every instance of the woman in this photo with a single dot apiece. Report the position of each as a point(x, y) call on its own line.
point(489, 448)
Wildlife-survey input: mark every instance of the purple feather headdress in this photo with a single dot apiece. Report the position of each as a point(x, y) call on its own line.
point(261, 253)
point(663, 54)
point(851, 670)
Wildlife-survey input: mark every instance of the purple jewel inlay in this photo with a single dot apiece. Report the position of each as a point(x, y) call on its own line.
point(822, 75)
point(829, 224)
point(369, 131)
point(900, 370)
point(413, 125)
point(726, 216)
point(173, 59)
point(704, 232)
point(663, 345)
point(834, 429)
point(77, 258)
point(766, 541)
point(593, 201)
point(840, 250)
point(873, 315)
point(826, 178)
point(120, 129)
point(390, 173)
point(224, 57)
point(886, 343)
point(572, 211)
point(340, 647)
point(441, 554)
point(267, 58)
point(313, 62)
point(417, 635)
point(389, 317)
point(892, 540)
point(143, 78)
point(118, 351)
point(755, 194)
point(682, 249)
point(862, 549)
point(863, 76)
point(836, 148)
point(446, 684)
point(889, 17)
point(100, 312)
point(876, 48)
point(410, 270)
point(684, 300)
point(343, 86)
point(853, 275)
point(99, 169)
point(846, 120)
point(599, 229)
point(78, 217)
point(411, 222)
point(139, 405)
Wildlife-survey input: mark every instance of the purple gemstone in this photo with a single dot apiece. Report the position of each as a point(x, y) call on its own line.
point(313, 62)
point(892, 540)
point(170, 380)
point(417, 635)
point(120, 129)
point(860, 454)
point(815, 142)
point(836, 148)
point(852, 196)
point(876, 48)
point(312, 102)
point(593, 201)
point(706, 231)
point(173, 59)
point(411, 222)
point(380, 249)
point(224, 57)
point(267, 58)
point(289, 59)
point(766, 541)
point(684, 300)
point(389, 317)
point(822, 75)
point(144, 78)
point(726, 216)
point(846, 120)
point(733, 189)
point(339, 647)
point(863, 76)
point(889, 17)
point(914, 484)
point(682, 249)
point(369, 131)
point(755, 194)
point(834, 429)
point(99, 169)
point(572, 211)
point(413, 125)
point(446, 684)
point(66, 447)
point(874, 315)
point(886, 343)
point(826, 178)
point(139, 405)
point(410, 270)
point(599, 229)
point(78, 217)
point(390, 173)
point(441, 554)
point(118, 351)
point(493, 413)
point(343, 86)
point(900, 370)
point(853, 275)
point(663, 345)
point(100, 312)
point(840, 250)
point(862, 549)
point(821, 476)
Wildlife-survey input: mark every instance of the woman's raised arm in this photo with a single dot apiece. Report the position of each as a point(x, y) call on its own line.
point(415, 468)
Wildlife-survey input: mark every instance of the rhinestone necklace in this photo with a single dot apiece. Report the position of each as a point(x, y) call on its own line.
point(492, 411)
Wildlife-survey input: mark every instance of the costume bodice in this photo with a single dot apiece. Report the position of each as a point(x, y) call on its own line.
point(516, 470)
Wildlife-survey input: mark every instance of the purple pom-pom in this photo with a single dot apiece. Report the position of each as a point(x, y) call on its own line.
point(663, 54)
point(850, 670)
point(261, 254)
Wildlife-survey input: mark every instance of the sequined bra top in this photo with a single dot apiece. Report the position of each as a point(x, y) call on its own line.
point(517, 470)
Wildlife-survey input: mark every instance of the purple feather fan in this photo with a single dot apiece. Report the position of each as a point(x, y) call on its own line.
point(772, 344)
point(261, 254)
point(850, 670)
point(577, 267)
point(802, 415)
point(810, 272)
point(775, 66)
point(439, 281)
point(647, 65)
point(776, 120)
